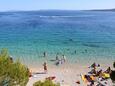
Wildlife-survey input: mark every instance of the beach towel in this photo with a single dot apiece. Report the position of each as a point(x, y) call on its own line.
point(106, 75)
point(83, 78)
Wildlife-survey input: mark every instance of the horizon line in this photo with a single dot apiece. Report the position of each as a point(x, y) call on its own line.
point(58, 10)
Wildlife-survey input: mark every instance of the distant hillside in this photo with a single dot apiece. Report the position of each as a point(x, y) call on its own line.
point(103, 10)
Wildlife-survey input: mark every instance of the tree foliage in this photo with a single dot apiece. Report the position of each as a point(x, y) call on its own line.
point(12, 73)
point(45, 83)
point(114, 64)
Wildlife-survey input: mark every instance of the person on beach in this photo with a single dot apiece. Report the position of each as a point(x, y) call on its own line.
point(29, 72)
point(108, 70)
point(11, 59)
point(45, 67)
point(94, 65)
point(58, 62)
point(63, 59)
point(93, 71)
point(89, 79)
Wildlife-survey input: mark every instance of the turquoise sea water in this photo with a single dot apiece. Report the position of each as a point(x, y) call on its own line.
point(28, 34)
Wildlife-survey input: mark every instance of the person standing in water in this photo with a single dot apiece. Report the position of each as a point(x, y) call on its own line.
point(45, 67)
point(45, 54)
point(64, 58)
point(57, 58)
point(75, 51)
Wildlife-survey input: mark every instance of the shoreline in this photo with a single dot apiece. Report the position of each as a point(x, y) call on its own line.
point(35, 63)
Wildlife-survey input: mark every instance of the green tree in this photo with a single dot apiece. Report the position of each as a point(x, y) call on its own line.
point(45, 83)
point(114, 64)
point(12, 73)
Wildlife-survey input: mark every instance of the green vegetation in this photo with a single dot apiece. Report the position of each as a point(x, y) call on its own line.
point(45, 83)
point(12, 73)
point(112, 75)
point(114, 64)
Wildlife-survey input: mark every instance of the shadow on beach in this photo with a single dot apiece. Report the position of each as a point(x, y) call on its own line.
point(39, 73)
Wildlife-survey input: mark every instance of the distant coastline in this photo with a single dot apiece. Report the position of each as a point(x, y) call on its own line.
point(103, 10)
point(42, 10)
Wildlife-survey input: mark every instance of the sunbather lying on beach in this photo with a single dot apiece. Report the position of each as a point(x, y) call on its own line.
point(94, 65)
point(93, 72)
point(102, 74)
point(29, 72)
point(89, 80)
point(108, 70)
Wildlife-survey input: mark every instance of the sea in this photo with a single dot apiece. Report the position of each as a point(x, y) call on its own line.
point(82, 36)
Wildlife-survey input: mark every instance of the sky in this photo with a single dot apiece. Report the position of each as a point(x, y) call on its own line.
point(15, 5)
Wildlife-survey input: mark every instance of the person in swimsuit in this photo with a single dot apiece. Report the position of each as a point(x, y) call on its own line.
point(45, 67)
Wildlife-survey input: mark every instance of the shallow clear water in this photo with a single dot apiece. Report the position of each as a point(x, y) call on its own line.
point(28, 34)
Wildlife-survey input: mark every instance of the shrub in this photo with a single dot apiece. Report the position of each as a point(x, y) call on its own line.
point(12, 73)
point(112, 76)
point(45, 83)
point(114, 64)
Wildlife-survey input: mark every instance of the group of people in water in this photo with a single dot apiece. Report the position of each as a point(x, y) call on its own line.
point(58, 61)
